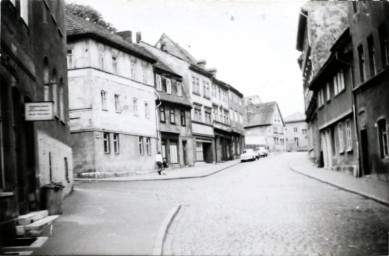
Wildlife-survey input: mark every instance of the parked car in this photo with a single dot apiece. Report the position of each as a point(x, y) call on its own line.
point(262, 151)
point(248, 155)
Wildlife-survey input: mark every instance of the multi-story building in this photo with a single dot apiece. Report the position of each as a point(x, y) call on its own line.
point(236, 105)
point(196, 83)
point(173, 118)
point(33, 71)
point(264, 125)
point(333, 87)
point(369, 30)
point(112, 95)
point(296, 129)
point(319, 26)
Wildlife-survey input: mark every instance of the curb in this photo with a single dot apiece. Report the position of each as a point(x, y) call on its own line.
point(176, 178)
point(161, 235)
point(371, 197)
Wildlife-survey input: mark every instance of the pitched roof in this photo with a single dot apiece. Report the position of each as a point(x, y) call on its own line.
point(261, 114)
point(296, 117)
point(77, 27)
point(180, 52)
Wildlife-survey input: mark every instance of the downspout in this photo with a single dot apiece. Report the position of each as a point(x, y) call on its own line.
point(355, 116)
point(157, 122)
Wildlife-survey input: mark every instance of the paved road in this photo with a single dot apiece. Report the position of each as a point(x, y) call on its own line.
point(263, 208)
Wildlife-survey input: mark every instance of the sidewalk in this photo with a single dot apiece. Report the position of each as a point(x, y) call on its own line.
point(366, 186)
point(172, 174)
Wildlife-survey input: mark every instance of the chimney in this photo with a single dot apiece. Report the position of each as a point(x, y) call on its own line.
point(138, 37)
point(202, 63)
point(213, 71)
point(126, 35)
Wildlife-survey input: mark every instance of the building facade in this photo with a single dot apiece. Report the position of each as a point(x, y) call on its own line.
point(264, 125)
point(369, 30)
point(173, 117)
point(296, 132)
point(111, 82)
point(33, 69)
point(236, 105)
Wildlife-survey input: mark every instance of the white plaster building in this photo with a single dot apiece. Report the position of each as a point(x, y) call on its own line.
point(296, 129)
point(112, 101)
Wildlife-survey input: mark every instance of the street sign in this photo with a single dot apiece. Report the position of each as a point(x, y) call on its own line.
point(39, 111)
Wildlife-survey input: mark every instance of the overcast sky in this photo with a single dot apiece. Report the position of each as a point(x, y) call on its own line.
point(252, 44)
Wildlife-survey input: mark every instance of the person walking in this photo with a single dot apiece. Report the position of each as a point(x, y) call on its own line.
point(159, 160)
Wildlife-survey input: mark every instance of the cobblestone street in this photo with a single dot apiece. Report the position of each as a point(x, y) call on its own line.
point(263, 208)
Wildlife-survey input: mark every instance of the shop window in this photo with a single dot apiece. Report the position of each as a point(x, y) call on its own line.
point(199, 151)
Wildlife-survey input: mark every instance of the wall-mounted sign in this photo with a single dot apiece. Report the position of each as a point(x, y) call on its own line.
point(39, 111)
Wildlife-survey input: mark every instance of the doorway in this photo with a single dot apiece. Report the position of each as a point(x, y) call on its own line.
point(184, 152)
point(365, 152)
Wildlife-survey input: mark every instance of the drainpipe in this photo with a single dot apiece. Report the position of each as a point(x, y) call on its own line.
point(157, 121)
point(354, 107)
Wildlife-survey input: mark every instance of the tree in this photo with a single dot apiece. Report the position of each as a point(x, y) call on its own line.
point(90, 14)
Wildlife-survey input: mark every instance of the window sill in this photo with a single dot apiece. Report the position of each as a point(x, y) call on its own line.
point(6, 194)
point(349, 150)
point(341, 152)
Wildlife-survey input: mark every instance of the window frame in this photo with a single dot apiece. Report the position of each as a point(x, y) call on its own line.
point(162, 113)
point(383, 142)
point(115, 65)
point(159, 83)
point(140, 145)
point(116, 143)
point(107, 143)
point(172, 115)
point(361, 64)
point(168, 86)
point(372, 56)
point(148, 146)
point(340, 138)
point(118, 108)
point(179, 89)
point(183, 117)
point(103, 95)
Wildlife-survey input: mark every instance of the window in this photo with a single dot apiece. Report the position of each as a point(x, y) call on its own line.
point(162, 113)
point(296, 141)
point(372, 61)
point(24, 10)
point(384, 45)
point(61, 101)
point(140, 145)
point(328, 92)
point(148, 148)
point(183, 120)
point(168, 86)
point(133, 70)
point(117, 104)
point(213, 90)
point(70, 58)
point(275, 130)
point(114, 65)
point(204, 89)
point(340, 136)
point(295, 129)
point(172, 116)
point(320, 97)
point(55, 96)
point(101, 60)
point(179, 89)
point(135, 106)
point(361, 62)
point(103, 100)
point(349, 141)
point(159, 83)
point(208, 116)
point(173, 152)
point(304, 131)
point(338, 81)
point(383, 138)
point(147, 110)
point(199, 151)
point(355, 6)
point(226, 117)
point(107, 148)
point(197, 113)
point(116, 148)
point(144, 71)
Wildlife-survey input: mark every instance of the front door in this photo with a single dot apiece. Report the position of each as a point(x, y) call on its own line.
point(365, 153)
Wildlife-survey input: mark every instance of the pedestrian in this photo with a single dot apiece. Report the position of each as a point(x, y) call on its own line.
point(159, 160)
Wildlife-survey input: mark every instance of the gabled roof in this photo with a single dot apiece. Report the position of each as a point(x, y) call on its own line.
point(261, 114)
point(296, 117)
point(178, 50)
point(77, 27)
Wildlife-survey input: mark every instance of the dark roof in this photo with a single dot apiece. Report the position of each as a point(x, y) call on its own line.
point(221, 83)
point(183, 53)
point(200, 70)
point(261, 114)
point(236, 91)
point(77, 27)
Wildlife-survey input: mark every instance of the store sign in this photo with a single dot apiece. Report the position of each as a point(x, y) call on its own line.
point(39, 111)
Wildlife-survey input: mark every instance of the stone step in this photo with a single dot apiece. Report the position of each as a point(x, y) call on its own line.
point(32, 217)
point(41, 224)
